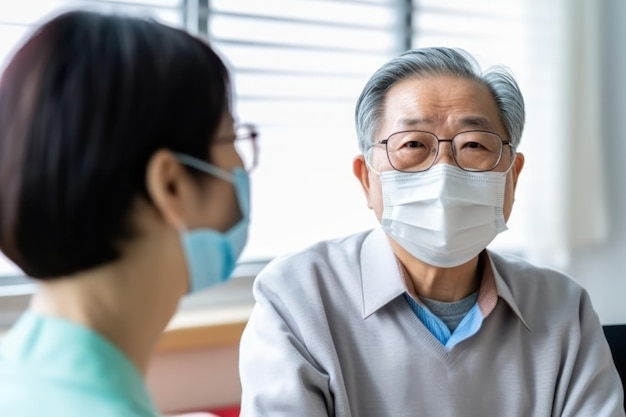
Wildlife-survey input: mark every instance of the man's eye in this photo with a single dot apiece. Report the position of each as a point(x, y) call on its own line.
point(414, 144)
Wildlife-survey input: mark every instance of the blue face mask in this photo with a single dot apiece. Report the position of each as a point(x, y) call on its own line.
point(211, 255)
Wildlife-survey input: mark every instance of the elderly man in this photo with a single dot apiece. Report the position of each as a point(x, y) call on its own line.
point(417, 318)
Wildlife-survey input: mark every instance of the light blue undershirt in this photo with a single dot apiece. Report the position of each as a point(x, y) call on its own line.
point(449, 312)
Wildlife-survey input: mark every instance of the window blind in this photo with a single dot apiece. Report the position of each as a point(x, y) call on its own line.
point(298, 67)
point(17, 17)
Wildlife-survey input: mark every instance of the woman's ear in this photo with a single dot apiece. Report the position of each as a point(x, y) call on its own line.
point(168, 186)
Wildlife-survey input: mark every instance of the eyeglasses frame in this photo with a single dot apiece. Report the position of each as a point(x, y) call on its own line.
point(504, 143)
point(252, 134)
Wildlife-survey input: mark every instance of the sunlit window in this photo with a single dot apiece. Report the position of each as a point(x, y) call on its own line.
point(298, 68)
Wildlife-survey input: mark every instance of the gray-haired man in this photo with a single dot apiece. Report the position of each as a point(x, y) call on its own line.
point(417, 318)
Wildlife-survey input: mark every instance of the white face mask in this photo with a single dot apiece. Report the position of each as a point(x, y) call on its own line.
point(443, 216)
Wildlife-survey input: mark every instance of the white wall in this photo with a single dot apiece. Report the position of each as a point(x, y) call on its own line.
point(602, 269)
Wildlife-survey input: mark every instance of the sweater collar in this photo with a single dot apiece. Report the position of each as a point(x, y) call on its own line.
point(382, 281)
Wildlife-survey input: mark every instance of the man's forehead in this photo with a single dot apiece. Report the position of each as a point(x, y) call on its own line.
point(422, 103)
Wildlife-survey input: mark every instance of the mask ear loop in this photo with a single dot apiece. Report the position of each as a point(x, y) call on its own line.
point(205, 167)
point(512, 163)
point(368, 163)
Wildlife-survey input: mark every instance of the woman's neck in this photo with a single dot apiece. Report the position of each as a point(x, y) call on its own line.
point(114, 303)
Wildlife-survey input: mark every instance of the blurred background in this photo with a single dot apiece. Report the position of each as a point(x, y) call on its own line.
point(299, 66)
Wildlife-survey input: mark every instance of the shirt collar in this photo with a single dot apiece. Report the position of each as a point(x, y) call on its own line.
point(504, 292)
point(382, 281)
point(380, 274)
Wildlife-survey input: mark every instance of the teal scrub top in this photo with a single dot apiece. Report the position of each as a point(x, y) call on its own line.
point(50, 367)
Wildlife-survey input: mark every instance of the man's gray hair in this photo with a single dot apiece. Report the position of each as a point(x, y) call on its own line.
point(427, 62)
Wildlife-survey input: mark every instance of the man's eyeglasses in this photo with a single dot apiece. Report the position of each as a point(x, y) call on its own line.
point(246, 144)
point(416, 150)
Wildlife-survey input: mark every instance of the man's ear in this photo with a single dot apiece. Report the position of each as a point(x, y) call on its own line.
point(518, 164)
point(168, 186)
point(359, 168)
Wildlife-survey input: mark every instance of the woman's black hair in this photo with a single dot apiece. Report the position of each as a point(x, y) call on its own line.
point(84, 103)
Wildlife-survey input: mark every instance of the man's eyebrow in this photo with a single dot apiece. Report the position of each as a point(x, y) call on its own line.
point(412, 122)
point(466, 122)
point(477, 121)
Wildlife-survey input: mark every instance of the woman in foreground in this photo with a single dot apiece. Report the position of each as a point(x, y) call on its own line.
point(121, 190)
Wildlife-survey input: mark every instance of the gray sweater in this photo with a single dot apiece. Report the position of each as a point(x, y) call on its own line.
point(332, 335)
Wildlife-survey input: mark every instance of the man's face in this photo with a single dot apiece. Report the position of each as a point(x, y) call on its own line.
point(445, 106)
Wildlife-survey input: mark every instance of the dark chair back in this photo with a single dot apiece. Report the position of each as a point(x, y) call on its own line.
point(616, 336)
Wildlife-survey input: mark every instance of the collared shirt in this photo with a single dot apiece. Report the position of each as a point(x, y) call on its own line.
point(331, 335)
point(50, 367)
point(471, 323)
point(378, 259)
